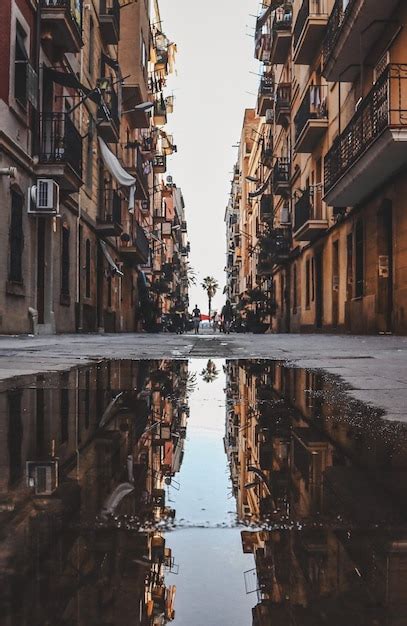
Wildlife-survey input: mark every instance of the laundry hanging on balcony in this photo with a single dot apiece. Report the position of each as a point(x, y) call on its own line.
point(260, 190)
point(109, 259)
point(118, 172)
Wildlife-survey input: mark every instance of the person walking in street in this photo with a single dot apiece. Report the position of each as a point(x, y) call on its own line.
point(215, 321)
point(196, 318)
point(227, 317)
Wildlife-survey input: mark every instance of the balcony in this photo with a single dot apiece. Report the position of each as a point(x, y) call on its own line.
point(108, 224)
point(283, 103)
point(108, 112)
point(160, 112)
point(281, 35)
point(309, 221)
point(266, 208)
point(265, 98)
point(281, 176)
point(311, 120)
point(159, 215)
point(160, 164)
point(63, 21)
point(372, 148)
point(267, 152)
point(275, 248)
point(109, 20)
point(309, 30)
point(60, 151)
point(362, 21)
point(136, 249)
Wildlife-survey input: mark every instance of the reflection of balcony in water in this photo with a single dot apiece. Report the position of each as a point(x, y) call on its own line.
point(76, 444)
point(337, 534)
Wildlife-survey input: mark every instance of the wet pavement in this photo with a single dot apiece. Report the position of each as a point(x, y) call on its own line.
point(201, 492)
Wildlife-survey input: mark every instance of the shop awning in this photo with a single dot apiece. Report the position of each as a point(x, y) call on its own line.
point(109, 258)
point(118, 172)
point(260, 190)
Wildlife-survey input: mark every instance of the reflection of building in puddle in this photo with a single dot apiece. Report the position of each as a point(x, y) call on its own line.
point(321, 481)
point(86, 456)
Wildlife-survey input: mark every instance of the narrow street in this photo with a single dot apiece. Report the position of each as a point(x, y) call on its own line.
point(203, 480)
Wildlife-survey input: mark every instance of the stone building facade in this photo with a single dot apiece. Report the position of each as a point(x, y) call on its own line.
point(83, 154)
point(333, 99)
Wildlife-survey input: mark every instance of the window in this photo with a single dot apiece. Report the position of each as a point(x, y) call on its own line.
point(349, 266)
point(64, 411)
point(295, 292)
point(65, 260)
point(14, 436)
point(91, 47)
point(312, 279)
point(87, 269)
point(307, 284)
point(89, 155)
point(359, 260)
point(20, 67)
point(16, 238)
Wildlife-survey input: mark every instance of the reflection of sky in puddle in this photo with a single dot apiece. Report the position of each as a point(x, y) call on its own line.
point(204, 476)
point(210, 583)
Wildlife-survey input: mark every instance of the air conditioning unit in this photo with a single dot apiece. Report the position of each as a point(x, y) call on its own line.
point(43, 198)
point(285, 217)
point(269, 116)
point(42, 477)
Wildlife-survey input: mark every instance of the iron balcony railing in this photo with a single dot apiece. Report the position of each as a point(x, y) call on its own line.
point(141, 242)
point(111, 7)
point(308, 9)
point(283, 96)
point(281, 171)
point(266, 207)
point(308, 207)
point(282, 19)
point(60, 141)
point(266, 87)
point(72, 10)
point(313, 107)
point(112, 207)
point(109, 106)
point(384, 107)
point(334, 27)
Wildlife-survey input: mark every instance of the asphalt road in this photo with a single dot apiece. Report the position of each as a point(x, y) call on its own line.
point(374, 366)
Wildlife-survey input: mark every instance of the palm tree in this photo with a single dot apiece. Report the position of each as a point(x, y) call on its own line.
point(210, 372)
point(211, 286)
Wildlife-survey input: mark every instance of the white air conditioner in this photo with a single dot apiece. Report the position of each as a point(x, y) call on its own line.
point(285, 217)
point(269, 116)
point(43, 198)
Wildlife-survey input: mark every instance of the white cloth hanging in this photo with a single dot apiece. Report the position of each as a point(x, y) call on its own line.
point(118, 172)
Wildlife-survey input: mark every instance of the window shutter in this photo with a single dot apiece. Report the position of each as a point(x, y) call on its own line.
point(32, 86)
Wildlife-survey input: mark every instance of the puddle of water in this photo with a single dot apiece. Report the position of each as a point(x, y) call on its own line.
point(201, 493)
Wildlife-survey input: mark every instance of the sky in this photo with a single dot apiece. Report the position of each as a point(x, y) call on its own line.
point(213, 86)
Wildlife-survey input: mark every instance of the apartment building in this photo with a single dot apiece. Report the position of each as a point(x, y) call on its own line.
point(333, 91)
point(302, 472)
point(86, 458)
point(82, 155)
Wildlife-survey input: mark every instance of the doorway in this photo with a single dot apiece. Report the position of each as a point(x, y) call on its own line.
point(319, 290)
point(385, 298)
point(335, 283)
point(41, 270)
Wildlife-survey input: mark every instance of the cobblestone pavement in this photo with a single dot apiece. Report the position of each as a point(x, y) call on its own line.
point(374, 366)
